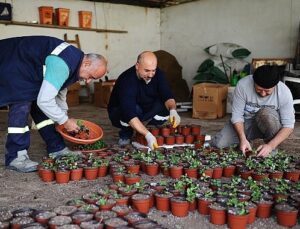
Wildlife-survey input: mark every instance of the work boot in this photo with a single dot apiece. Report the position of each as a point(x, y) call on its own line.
point(65, 151)
point(22, 163)
point(124, 141)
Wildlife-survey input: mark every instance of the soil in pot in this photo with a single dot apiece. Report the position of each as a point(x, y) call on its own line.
point(65, 210)
point(121, 210)
point(18, 222)
point(79, 217)
point(59, 221)
point(104, 215)
point(115, 223)
point(134, 217)
point(43, 216)
point(92, 224)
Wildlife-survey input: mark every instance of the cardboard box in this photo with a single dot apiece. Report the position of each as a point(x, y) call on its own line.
point(73, 94)
point(102, 92)
point(209, 100)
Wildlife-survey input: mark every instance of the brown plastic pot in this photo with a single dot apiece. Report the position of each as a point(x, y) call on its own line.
point(163, 201)
point(189, 139)
point(228, 171)
point(141, 202)
point(287, 217)
point(237, 221)
point(62, 176)
point(91, 173)
point(179, 139)
point(185, 130)
point(196, 129)
point(264, 209)
point(179, 206)
point(203, 205)
point(191, 172)
point(102, 171)
point(165, 131)
point(217, 172)
point(76, 174)
point(170, 140)
point(160, 140)
point(118, 177)
point(217, 216)
point(133, 168)
point(176, 171)
point(292, 175)
point(154, 131)
point(152, 169)
point(47, 175)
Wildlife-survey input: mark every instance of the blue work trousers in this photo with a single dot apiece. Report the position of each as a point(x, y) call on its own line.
point(126, 132)
point(18, 137)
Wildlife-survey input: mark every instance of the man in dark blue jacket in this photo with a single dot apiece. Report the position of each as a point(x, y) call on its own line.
point(140, 94)
point(35, 72)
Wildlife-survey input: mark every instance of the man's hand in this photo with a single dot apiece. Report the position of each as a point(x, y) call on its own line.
point(151, 140)
point(71, 125)
point(264, 150)
point(245, 146)
point(174, 118)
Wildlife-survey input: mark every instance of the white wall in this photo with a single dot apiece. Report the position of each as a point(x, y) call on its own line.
point(121, 49)
point(269, 28)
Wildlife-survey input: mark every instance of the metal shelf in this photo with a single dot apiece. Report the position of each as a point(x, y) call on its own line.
point(61, 27)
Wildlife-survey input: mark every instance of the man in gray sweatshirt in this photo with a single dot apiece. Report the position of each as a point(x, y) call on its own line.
point(262, 107)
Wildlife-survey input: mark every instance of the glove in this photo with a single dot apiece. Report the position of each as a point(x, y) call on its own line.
point(151, 140)
point(174, 118)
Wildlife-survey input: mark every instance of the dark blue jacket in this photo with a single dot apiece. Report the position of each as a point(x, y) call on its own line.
point(130, 91)
point(21, 66)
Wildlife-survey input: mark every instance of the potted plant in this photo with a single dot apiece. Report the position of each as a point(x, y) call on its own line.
point(105, 204)
point(237, 214)
point(179, 206)
point(192, 169)
point(217, 213)
point(46, 172)
point(162, 200)
point(141, 202)
point(286, 214)
point(204, 200)
point(62, 172)
point(191, 193)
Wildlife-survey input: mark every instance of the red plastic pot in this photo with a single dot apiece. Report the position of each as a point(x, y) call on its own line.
point(179, 207)
point(102, 171)
point(91, 173)
point(76, 174)
point(152, 169)
point(62, 177)
point(237, 221)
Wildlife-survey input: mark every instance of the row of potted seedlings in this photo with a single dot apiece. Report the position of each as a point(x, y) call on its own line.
point(167, 135)
point(73, 168)
point(215, 165)
point(214, 171)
